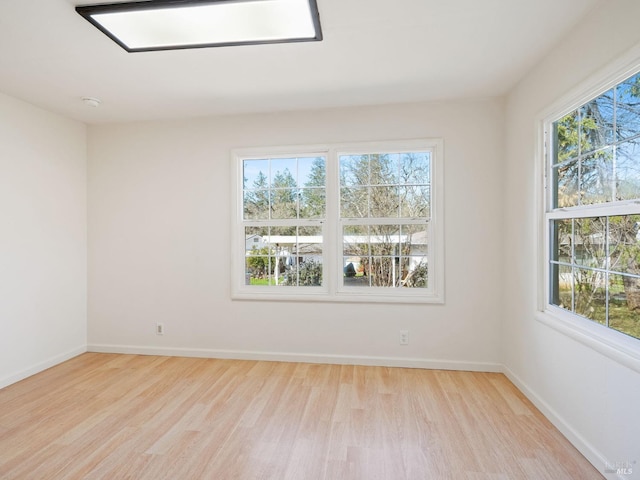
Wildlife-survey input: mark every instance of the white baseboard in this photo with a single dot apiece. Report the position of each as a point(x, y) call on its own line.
point(301, 357)
point(582, 445)
point(39, 367)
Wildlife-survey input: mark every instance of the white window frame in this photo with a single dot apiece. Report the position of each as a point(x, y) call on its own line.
point(607, 341)
point(332, 289)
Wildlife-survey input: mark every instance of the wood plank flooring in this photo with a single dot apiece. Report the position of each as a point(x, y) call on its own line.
point(114, 417)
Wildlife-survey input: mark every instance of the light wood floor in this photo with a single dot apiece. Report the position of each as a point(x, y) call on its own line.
point(150, 418)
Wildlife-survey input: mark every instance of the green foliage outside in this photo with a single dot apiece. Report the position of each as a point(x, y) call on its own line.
point(594, 307)
point(589, 171)
point(372, 186)
point(309, 274)
point(261, 263)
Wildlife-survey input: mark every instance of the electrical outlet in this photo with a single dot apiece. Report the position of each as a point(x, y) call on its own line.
point(404, 337)
point(159, 329)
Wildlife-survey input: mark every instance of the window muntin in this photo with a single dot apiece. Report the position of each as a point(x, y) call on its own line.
point(352, 222)
point(594, 209)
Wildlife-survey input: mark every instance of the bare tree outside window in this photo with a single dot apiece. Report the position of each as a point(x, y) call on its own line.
point(385, 202)
point(595, 258)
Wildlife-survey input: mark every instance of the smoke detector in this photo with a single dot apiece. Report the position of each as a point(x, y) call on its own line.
point(91, 101)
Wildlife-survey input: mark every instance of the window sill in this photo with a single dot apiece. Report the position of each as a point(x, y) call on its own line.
point(614, 345)
point(337, 298)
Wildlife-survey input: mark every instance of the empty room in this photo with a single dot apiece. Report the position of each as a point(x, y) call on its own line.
point(319, 239)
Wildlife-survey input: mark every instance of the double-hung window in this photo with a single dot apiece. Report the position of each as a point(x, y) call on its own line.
point(354, 222)
point(283, 217)
point(593, 208)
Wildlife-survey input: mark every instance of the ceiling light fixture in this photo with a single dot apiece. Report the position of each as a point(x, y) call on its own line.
point(176, 24)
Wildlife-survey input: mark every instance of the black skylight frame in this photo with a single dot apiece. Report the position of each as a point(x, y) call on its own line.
point(87, 11)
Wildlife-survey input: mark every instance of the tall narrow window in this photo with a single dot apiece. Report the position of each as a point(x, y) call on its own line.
point(593, 212)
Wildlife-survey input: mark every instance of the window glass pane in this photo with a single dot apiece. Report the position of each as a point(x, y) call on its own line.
point(566, 135)
point(414, 249)
point(624, 303)
point(309, 271)
point(256, 205)
point(259, 269)
point(597, 178)
point(415, 168)
point(256, 236)
point(384, 271)
point(354, 202)
point(415, 201)
point(383, 266)
point(596, 123)
point(284, 193)
point(413, 239)
point(283, 236)
point(385, 239)
point(624, 244)
point(312, 172)
point(415, 272)
point(282, 242)
point(628, 108)
point(312, 175)
point(255, 174)
point(590, 242)
point(256, 193)
point(284, 172)
point(590, 294)
point(301, 257)
point(259, 256)
point(354, 170)
point(313, 233)
point(566, 184)
point(562, 241)
point(627, 168)
point(355, 248)
point(284, 203)
point(384, 202)
point(354, 272)
point(355, 241)
point(562, 286)
point(383, 169)
point(312, 203)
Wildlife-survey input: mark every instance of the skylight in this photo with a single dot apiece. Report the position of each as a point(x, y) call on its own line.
point(176, 24)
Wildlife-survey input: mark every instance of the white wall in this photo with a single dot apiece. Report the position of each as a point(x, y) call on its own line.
point(159, 237)
point(593, 399)
point(158, 208)
point(42, 239)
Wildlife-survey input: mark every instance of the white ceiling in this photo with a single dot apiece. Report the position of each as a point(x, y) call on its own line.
point(373, 52)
